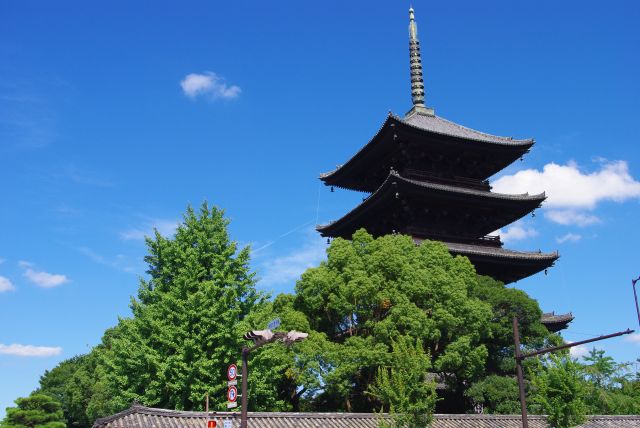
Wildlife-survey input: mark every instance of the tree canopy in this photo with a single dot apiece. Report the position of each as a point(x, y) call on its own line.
point(184, 325)
point(372, 292)
point(379, 312)
point(35, 411)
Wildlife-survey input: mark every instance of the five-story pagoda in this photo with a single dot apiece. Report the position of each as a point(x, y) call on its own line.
point(428, 178)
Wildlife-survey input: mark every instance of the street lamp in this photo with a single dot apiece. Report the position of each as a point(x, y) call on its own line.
point(261, 338)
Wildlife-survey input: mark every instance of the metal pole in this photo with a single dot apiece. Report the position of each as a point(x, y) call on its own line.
point(245, 392)
point(518, 356)
point(635, 295)
point(572, 344)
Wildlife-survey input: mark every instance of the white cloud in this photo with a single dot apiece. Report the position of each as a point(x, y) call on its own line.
point(568, 187)
point(6, 285)
point(571, 217)
point(165, 227)
point(288, 268)
point(208, 84)
point(119, 262)
point(29, 350)
point(633, 338)
point(571, 193)
point(569, 237)
point(45, 279)
point(579, 351)
point(516, 232)
point(24, 264)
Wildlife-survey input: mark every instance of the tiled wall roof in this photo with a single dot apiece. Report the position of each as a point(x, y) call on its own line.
point(145, 417)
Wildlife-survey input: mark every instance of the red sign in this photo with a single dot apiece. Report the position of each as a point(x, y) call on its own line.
point(232, 372)
point(211, 424)
point(232, 393)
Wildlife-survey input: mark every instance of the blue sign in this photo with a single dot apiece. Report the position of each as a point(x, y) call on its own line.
point(274, 324)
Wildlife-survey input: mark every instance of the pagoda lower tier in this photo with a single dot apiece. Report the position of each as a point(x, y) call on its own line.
point(554, 323)
point(432, 210)
point(502, 264)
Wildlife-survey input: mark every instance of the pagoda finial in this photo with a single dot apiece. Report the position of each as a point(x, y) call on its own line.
point(415, 66)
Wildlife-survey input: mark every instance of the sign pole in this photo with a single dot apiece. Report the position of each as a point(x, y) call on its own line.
point(523, 399)
point(245, 392)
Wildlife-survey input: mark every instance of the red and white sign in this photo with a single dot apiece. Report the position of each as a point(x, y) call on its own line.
point(232, 372)
point(211, 424)
point(232, 394)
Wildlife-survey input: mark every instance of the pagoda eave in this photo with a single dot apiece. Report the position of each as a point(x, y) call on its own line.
point(554, 323)
point(436, 204)
point(502, 264)
point(401, 141)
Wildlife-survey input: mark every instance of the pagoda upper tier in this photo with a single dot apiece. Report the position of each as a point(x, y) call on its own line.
point(427, 209)
point(427, 146)
point(427, 177)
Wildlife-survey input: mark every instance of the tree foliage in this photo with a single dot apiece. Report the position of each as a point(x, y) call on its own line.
point(372, 309)
point(403, 388)
point(184, 325)
point(183, 332)
point(372, 292)
point(610, 387)
point(559, 391)
point(495, 394)
point(285, 378)
point(35, 411)
point(73, 385)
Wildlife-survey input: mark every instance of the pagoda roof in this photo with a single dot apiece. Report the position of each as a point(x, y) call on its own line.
point(555, 323)
point(503, 264)
point(432, 134)
point(503, 253)
point(442, 126)
point(370, 212)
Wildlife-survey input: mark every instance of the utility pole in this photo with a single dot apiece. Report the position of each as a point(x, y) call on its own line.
point(520, 357)
point(523, 399)
point(635, 296)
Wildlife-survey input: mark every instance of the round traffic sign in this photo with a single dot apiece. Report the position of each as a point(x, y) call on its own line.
point(232, 372)
point(232, 393)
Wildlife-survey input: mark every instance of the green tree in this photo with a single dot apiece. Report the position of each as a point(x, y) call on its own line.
point(63, 383)
point(371, 292)
point(601, 369)
point(285, 378)
point(559, 391)
point(505, 304)
point(200, 297)
point(403, 388)
point(496, 394)
point(35, 411)
point(610, 387)
point(184, 328)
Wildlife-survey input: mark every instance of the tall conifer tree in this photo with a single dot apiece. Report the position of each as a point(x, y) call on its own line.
point(183, 330)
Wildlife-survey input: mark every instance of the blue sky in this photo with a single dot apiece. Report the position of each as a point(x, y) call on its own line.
point(113, 118)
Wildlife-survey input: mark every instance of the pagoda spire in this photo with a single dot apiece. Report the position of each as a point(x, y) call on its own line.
point(415, 67)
